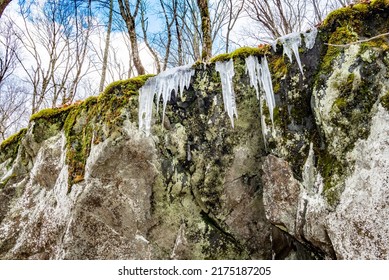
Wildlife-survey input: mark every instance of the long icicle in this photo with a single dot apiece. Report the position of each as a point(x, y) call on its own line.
point(226, 70)
point(175, 79)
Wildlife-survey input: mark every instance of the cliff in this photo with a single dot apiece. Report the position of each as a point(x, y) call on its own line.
point(82, 182)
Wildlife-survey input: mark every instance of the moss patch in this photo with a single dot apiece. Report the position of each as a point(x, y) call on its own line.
point(51, 113)
point(385, 101)
point(13, 139)
point(355, 14)
point(242, 53)
point(126, 87)
point(9, 147)
point(96, 119)
point(342, 35)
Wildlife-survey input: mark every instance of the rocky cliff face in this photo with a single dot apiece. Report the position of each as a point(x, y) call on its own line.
point(82, 182)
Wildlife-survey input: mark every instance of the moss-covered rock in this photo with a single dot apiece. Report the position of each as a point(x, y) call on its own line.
point(385, 101)
point(195, 188)
point(9, 147)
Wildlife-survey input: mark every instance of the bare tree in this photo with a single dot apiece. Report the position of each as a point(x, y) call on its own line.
point(182, 40)
point(225, 15)
point(278, 17)
point(56, 44)
point(106, 47)
point(8, 52)
point(129, 18)
point(322, 8)
point(13, 97)
point(169, 21)
point(185, 46)
point(14, 112)
point(144, 25)
point(206, 29)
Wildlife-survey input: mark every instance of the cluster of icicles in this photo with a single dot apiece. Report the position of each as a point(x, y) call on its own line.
point(176, 79)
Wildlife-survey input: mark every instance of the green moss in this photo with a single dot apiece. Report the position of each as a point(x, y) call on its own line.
point(350, 117)
point(9, 147)
point(340, 103)
point(342, 35)
point(331, 169)
point(247, 51)
point(380, 43)
point(350, 13)
point(97, 118)
point(5, 182)
point(50, 113)
point(91, 100)
point(242, 53)
point(379, 4)
point(220, 57)
point(385, 101)
point(197, 64)
point(78, 131)
point(355, 15)
point(279, 69)
point(48, 122)
point(13, 139)
point(126, 87)
point(276, 116)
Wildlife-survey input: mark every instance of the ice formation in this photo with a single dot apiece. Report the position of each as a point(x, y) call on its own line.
point(226, 70)
point(291, 43)
point(162, 85)
point(179, 78)
point(310, 38)
point(260, 78)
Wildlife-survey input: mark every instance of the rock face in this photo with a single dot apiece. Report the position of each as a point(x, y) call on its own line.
point(83, 182)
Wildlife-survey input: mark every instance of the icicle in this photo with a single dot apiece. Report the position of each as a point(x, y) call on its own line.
point(146, 97)
point(267, 86)
point(310, 38)
point(260, 76)
point(252, 69)
point(226, 70)
point(162, 85)
point(291, 43)
point(274, 45)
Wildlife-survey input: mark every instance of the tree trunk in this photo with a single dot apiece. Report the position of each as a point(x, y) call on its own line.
point(129, 19)
point(3, 5)
point(169, 31)
point(144, 29)
point(206, 29)
point(179, 41)
point(106, 48)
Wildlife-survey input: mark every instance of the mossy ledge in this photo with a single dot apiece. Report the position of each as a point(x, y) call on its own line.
point(242, 53)
point(97, 117)
point(354, 13)
point(9, 147)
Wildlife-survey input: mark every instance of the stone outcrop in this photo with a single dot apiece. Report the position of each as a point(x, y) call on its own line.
point(82, 182)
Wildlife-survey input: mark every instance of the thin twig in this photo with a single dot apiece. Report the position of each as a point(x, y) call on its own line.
point(357, 42)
